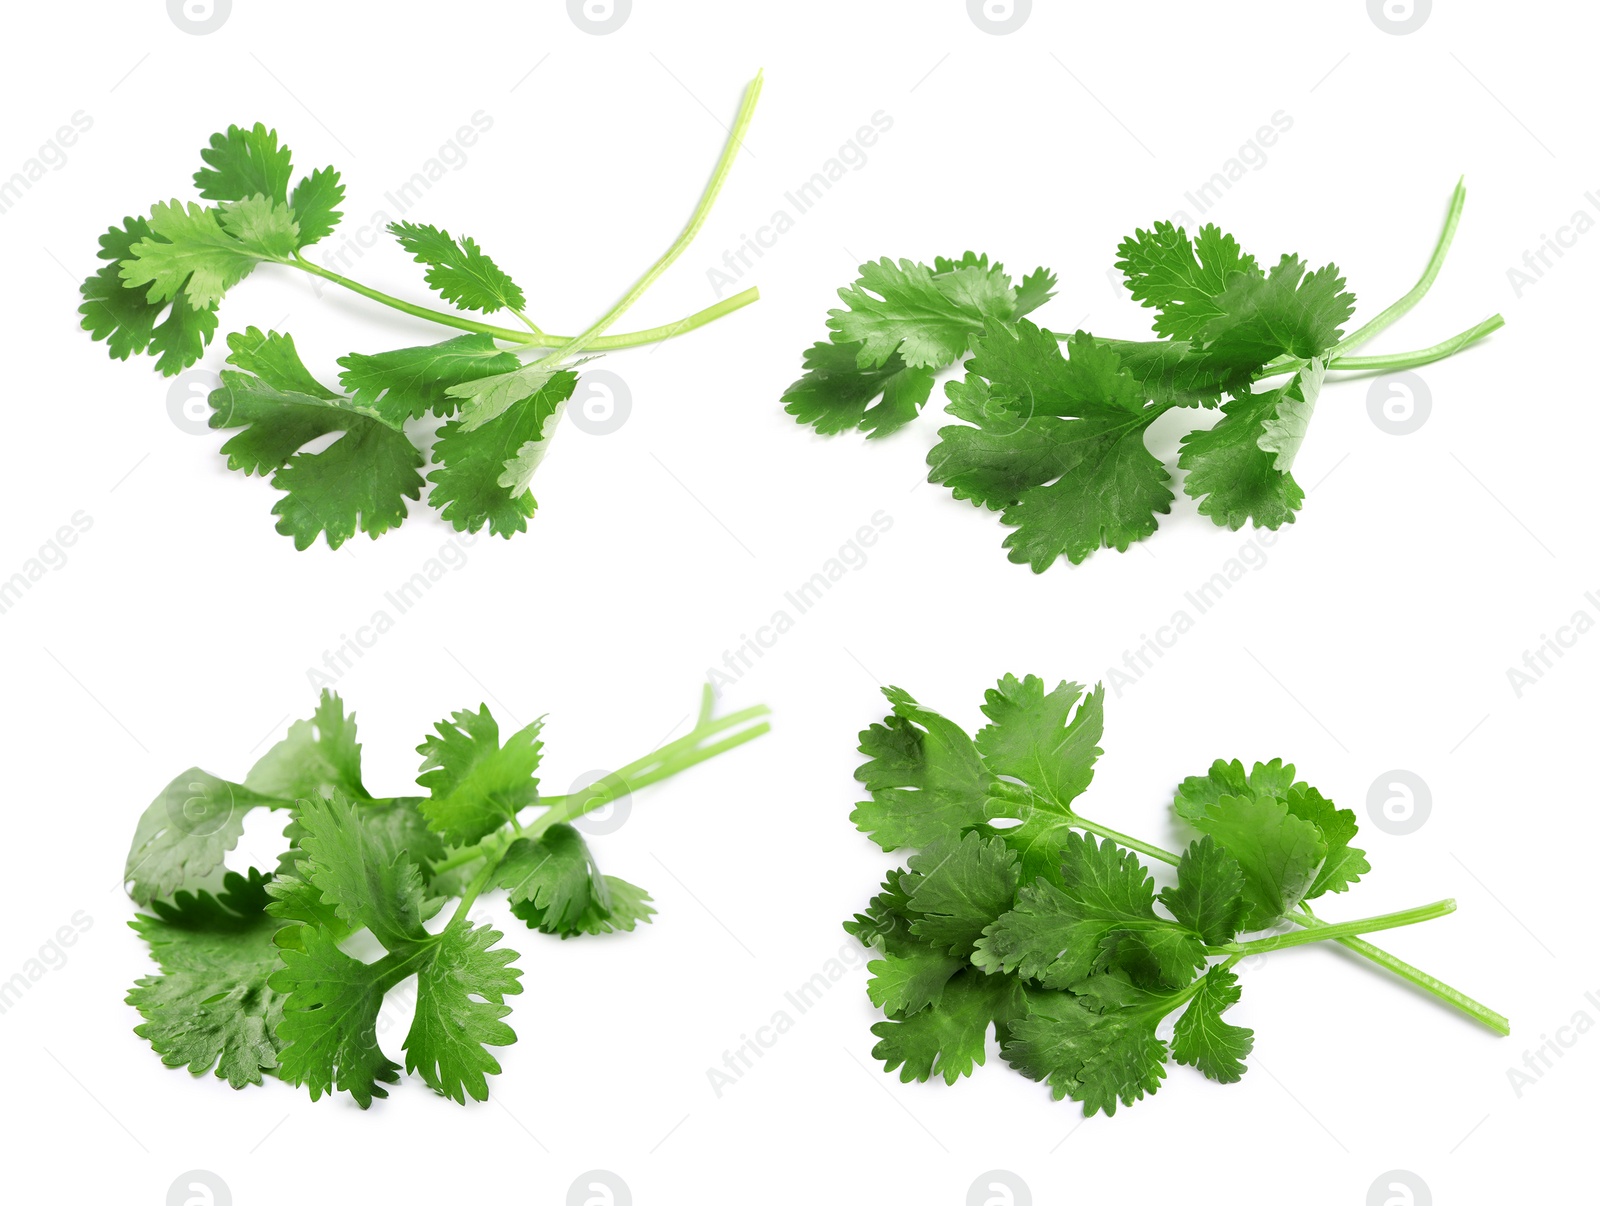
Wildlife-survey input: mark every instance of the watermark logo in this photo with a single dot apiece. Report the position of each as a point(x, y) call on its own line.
point(188, 400)
point(204, 809)
point(199, 17)
point(1399, 403)
point(199, 1187)
point(599, 1187)
point(1399, 16)
point(601, 403)
point(999, 1187)
point(999, 16)
point(1399, 802)
point(608, 817)
point(1399, 1187)
point(599, 16)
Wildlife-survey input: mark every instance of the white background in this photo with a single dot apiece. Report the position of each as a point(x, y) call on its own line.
point(1376, 636)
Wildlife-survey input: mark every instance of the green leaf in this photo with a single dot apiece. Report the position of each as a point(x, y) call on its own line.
point(1344, 864)
point(886, 923)
point(244, 163)
point(1170, 373)
point(408, 383)
point(369, 880)
point(212, 1006)
point(911, 980)
point(1287, 312)
point(1279, 853)
point(360, 482)
point(1097, 1058)
point(1285, 430)
point(1199, 792)
point(1231, 474)
point(186, 250)
point(837, 394)
point(462, 985)
point(131, 323)
point(272, 357)
point(329, 1032)
point(614, 904)
point(1182, 278)
point(1203, 1040)
point(554, 885)
point(962, 884)
point(926, 318)
point(183, 836)
point(950, 1038)
point(484, 470)
point(263, 227)
point(1050, 742)
point(1057, 445)
point(475, 785)
point(1102, 915)
point(317, 757)
point(458, 270)
point(315, 205)
point(926, 778)
point(1208, 898)
point(1036, 288)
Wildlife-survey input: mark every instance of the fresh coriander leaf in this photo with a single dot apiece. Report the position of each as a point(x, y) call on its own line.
point(962, 884)
point(835, 393)
point(949, 1038)
point(329, 1032)
point(1279, 853)
point(1284, 432)
point(244, 163)
point(484, 470)
point(912, 980)
point(1049, 742)
point(369, 881)
point(462, 984)
point(359, 482)
point(1231, 474)
point(128, 321)
point(926, 318)
point(886, 923)
point(614, 904)
point(186, 831)
point(272, 357)
point(1058, 444)
point(925, 775)
point(458, 270)
point(1170, 373)
point(265, 228)
point(1208, 898)
point(555, 877)
point(1198, 792)
point(1288, 312)
point(1036, 288)
point(1182, 278)
point(1097, 1058)
point(317, 757)
point(1344, 864)
point(475, 784)
point(1203, 1040)
point(212, 1006)
point(408, 383)
point(187, 251)
point(315, 203)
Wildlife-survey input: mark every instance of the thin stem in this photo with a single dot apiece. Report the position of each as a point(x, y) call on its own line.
point(1412, 975)
point(1366, 950)
point(533, 339)
point(1405, 360)
point(730, 151)
point(1452, 219)
point(1342, 929)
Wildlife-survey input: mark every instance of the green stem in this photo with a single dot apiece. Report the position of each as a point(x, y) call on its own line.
point(730, 151)
point(1405, 360)
point(532, 339)
point(1342, 929)
point(1412, 975)
point(1452, 219)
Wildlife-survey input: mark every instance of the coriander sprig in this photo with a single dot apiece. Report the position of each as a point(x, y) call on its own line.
point(164, 279)
point(1017, 914)
point(1052, 425)
point(253, 978)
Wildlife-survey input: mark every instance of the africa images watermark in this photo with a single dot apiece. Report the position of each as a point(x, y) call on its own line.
point(1542, 658)
point(451, 156)
point(852, 556)
point(1537, 1063)
point(52, 555)
point(52, 956)
point(1141, 659)
point(352, 647)
point(800, 200)
point(737, 1063)
point(1540, 259)
point(50, 157)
